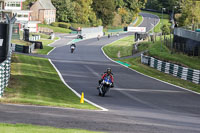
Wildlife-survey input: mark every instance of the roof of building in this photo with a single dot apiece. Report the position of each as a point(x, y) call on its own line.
point(46, 4)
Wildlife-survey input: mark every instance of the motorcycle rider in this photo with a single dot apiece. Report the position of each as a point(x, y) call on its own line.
point(73, 46)
point(98, 37)
point(107, 73)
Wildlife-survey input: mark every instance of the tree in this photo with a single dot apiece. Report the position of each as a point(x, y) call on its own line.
point(189, 13)
point(124, 14)
point(104, 10)
point(134, 6)
point(64, 10)
point(165, 30)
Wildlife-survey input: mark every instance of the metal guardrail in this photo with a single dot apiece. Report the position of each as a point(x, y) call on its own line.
point(173, 69)
point(4, 75)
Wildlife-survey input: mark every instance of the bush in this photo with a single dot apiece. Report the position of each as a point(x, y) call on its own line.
point(76, 25)
point(64, 25)
point(55, 24)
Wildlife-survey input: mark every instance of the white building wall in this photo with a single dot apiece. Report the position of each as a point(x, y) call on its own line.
point(92, 32)
point(31, 26)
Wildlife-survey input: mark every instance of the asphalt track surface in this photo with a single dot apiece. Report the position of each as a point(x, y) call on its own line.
point(137, 104)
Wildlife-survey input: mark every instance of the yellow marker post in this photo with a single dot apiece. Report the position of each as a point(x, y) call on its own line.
point(82, 98)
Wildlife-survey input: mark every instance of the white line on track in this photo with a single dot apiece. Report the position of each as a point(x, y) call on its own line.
point(77, 94)
point(145, 90)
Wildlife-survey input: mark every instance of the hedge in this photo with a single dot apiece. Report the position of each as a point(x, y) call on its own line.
point(61, 24)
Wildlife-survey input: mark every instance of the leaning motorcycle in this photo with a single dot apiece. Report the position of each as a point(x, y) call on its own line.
point(105, 86)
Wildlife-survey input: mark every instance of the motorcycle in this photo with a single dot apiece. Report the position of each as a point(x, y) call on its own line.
point(72, 49)
point(98, 38)
point(105, 86)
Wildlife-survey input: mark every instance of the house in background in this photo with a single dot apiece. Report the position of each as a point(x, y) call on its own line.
point(43, 11)
point(23, 17)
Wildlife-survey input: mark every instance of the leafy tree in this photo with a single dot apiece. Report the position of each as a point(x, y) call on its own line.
point(65, 10)
point(124, 14)
point(104, 10)
point(190, 13)
point(165, 30)
point(119, 4)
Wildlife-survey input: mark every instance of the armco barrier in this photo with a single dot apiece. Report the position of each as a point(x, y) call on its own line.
point(173, 69)
point(4, 75)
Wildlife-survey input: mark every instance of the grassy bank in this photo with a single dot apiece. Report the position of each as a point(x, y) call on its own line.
point(139, 21)
point(155, 51)
point(120, 48)
point(35, 81)
point(24, 128)
point(21, 42)
point(46, 48)
point(165, 20)
point(55, 29)
point(165, 55)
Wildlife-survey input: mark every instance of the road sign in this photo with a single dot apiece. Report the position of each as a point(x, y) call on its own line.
point(136, 29)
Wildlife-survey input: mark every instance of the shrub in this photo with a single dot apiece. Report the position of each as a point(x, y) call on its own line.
point(55, 24)
point(76, 25)
point(64, 25)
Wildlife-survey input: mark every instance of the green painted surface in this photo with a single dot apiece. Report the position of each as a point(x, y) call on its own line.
point(190, 74)
point(155, 63)
point(75, 40)
point(198, 30)
point(163, 66)
point(123, 63)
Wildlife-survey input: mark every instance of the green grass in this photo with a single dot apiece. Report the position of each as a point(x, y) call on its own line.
point(165, 54)
point(165, 20)
point(139, 21)
point(35, 81)
point(56, 29)
point(41, 35)
point(125, 46)
point(24, 128)
point(46, 48)
point(136, 65)
point(21, 42)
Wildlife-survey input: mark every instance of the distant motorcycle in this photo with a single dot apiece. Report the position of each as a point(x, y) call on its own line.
point(98, 37)
point(72, 47)
point(105, 86)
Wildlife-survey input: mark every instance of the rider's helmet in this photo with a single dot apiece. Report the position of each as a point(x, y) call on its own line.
point(109, 70)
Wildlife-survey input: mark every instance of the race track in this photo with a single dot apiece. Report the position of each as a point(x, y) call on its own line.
point(137, 104)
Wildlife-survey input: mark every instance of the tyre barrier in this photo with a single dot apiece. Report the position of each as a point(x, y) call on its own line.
point(172, 69)
point(4, 75)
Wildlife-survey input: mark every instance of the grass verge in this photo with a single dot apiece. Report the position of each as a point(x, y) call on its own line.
point(165, 20)
point(34, 81)
point(46, 48)
point(120, 48)
point(21, 42)
point(136, 65)
point(55, 29)
point(24, 128)
point(139, 21)
point(165, 55)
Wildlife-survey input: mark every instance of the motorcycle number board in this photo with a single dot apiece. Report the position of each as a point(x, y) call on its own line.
point(1, 42)
point(137, 29)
